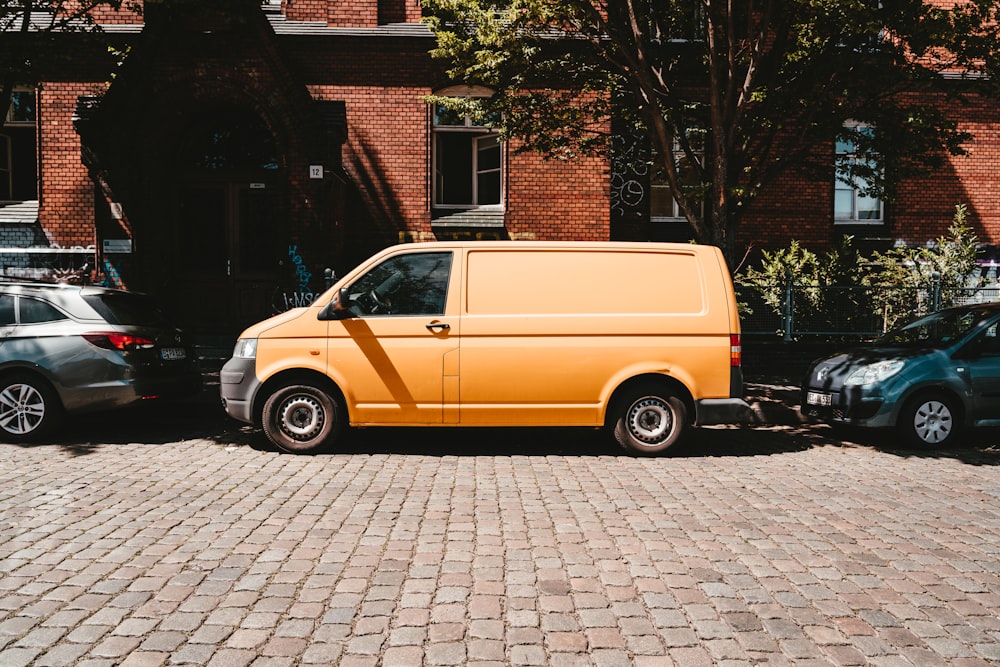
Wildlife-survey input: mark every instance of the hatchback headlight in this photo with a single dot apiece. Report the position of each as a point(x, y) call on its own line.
point(872, 373)
point(246, 348)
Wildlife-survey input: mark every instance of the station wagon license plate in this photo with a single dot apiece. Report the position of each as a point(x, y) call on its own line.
point(172, 353)
point(819, 398)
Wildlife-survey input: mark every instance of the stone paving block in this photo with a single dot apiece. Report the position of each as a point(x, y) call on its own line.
point(801, 554)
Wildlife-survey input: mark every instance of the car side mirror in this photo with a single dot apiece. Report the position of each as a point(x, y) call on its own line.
point(337, 308)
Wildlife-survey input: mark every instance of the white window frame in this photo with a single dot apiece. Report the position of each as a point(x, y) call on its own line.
point(676, 214)
point(843, 152)
point(482, 132)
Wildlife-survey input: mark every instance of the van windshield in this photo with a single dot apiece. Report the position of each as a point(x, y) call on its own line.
point(937, 330)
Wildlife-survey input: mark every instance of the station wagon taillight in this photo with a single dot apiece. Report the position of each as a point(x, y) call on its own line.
point(735, 350)
point(110, 340)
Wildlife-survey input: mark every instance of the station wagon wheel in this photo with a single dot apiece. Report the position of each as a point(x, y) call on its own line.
point(649, 421)
point(29, 408)
point(302, 419)
point(929, 420)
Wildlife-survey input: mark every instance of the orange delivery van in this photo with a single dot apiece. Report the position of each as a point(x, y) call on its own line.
point(640, 338)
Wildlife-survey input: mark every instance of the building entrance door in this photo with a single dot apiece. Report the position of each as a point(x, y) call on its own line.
point(228, 240)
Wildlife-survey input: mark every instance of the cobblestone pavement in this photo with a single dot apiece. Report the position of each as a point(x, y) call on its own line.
point(168, 536)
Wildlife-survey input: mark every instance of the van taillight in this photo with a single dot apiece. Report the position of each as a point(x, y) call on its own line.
point(735, 350)
point(118, 341)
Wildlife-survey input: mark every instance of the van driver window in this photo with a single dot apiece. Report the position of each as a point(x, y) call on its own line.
point(414, 284)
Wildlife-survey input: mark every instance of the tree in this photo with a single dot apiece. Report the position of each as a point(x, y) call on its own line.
point(738, 93)
point(29, 31)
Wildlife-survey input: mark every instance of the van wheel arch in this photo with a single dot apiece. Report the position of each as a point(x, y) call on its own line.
point(294, 377)
point(663, 399)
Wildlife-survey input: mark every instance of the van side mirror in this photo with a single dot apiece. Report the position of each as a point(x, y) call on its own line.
point(337, 308)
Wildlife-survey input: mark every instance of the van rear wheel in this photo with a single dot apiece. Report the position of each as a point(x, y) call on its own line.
point(649, 421)
point(302, 419)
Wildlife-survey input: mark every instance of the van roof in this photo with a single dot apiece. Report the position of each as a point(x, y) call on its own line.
point(523, 244)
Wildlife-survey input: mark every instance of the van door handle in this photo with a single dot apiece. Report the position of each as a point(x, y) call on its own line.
point(438, 325)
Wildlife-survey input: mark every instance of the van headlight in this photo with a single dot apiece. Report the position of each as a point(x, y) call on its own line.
point(872, 373)
point(246, 348)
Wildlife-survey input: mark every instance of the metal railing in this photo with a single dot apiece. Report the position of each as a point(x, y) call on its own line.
point(791, 311)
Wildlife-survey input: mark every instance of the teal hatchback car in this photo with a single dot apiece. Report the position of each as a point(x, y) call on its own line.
point(929, 379)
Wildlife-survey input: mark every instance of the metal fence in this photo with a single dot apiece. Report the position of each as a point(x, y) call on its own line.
point(791, 311)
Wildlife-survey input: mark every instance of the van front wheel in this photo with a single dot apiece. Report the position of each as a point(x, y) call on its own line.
point(649, 421)
point(302, 419)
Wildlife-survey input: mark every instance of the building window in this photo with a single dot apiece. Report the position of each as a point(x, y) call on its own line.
point(468, 161)
point(22, 107)
point(17, 148)
point(663, 205)
point(852, 202)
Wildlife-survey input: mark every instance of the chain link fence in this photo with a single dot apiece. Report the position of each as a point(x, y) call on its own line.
point(849, 312)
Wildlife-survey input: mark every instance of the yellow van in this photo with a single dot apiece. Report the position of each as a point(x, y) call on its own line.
point(643, 338)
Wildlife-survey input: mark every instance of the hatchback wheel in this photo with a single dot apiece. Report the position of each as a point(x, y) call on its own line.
point(929, 420)
point(649, 421)
point(302, 419)
point(29, 408)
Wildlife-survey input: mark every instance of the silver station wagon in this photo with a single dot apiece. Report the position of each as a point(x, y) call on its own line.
point(69, 349)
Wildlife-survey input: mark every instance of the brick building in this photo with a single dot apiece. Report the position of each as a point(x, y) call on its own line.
point(243, 147)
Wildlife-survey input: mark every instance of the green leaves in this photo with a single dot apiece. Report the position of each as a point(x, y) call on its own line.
point(771, 83)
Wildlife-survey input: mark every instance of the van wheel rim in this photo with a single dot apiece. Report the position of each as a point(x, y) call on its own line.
point(22, 409)
point(649, 420)
point(932, 422)
point(301, 418)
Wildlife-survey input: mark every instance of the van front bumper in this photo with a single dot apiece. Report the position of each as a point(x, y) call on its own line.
point(238, 385)
point(709, 411)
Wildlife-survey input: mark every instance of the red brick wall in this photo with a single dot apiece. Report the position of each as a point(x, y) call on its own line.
point(305, 10)
point(927, 204)
point(385, 157)
point(558, 200)
point(353, 13)
point(66, 193)
point(800, 209)
point(108, 15)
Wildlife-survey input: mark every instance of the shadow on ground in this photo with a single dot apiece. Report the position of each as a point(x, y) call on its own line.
point(778, 429)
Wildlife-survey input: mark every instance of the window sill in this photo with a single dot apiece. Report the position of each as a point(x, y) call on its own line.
point(468, 218)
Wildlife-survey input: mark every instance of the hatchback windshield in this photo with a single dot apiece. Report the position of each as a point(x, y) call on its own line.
point(937, 330)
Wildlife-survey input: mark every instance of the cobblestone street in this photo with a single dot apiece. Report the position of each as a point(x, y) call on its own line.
point(167, 536)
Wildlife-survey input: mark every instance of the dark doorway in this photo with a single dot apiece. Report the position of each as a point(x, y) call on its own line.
point(230, 224)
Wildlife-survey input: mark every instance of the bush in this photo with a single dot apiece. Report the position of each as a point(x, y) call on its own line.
point(843, 291)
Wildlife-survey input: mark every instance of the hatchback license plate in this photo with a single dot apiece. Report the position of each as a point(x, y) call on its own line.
point(817, 398)
point(172, 353)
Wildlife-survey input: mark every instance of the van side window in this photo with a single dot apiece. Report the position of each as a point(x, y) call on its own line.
point(413, 284)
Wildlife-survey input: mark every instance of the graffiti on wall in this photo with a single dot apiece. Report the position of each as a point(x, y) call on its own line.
point(302, 294)
point(629, 174)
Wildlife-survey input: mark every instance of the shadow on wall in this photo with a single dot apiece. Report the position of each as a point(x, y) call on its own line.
point(375, 216)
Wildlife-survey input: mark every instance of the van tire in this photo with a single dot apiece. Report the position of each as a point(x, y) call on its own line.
point(649, 421)
point(303, 419)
